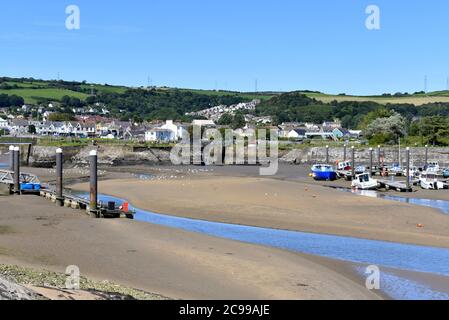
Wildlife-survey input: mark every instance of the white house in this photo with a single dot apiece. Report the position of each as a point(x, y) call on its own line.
point(296, 134)
point(18, 126)
point(159, 135)
point(178, 130)
point(3, 123)
point(169, 132)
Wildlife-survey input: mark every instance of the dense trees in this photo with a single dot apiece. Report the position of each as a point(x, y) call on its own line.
point(72, 102)
point(239, 121)
point(432, 130)
point(162, 105)
point(226, 119)
point(386, 129)
point(10, 101)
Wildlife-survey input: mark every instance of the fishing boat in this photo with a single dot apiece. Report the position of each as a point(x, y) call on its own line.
point(344, 166)
point(365, 182)
point(429, 181)
point(324, 172)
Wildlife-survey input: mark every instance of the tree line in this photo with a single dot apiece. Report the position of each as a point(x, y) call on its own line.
point(7, 101)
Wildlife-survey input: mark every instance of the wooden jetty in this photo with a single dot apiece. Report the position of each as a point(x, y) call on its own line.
point(104, 210)
point(25, 183)
point(394, 185)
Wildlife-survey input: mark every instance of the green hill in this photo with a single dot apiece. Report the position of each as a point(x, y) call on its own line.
point(35, 91)
point(416, 99)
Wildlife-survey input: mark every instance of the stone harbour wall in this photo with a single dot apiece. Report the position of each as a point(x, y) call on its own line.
point(362, 155)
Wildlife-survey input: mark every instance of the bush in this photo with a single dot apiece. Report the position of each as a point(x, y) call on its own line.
point(381, 138)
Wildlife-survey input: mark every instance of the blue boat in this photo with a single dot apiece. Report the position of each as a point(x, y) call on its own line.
point(324, 172)
point(30, 186)
point(446, 173)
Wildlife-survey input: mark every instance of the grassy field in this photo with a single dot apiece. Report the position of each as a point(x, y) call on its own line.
point(418, 99)
point(32, 91)
point(33, 95)
point(106, 89)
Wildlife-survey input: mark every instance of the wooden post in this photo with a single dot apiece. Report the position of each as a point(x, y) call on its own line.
point(426, 159)
point(371, 161)
point(379, 156)
point(11, 158)
point(407, 156)
point(344, 152)
point(93, 182)
point(17, 170)
point(353, 162)
point(327, 154)
point(59, 177)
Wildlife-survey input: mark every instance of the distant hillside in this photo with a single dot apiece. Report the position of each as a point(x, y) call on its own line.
point(416, 99)
point(307, 107)
point(35, 91)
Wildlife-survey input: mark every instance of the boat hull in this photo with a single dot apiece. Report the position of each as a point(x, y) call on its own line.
point(328, 176)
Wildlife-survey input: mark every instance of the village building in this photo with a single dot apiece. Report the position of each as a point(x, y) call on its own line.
point(3, 123)
point(297, 134)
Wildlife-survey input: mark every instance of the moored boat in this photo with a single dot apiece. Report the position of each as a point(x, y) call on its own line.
point(365, 182)
point(429, 181)
point(324, 172)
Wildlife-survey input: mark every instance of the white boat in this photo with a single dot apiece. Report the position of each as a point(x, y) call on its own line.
point(414, 172)
point(365, 182)
point(432, 167)
point(429, 181)
point(344, 166)
point(395, 170)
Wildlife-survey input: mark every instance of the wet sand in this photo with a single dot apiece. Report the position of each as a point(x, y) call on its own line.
point(282, 203)
point(170, 262)
point(188, 265)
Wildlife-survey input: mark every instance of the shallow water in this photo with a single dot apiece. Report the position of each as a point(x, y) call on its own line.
point(400, 288)
point(442, 205)
point(388, 254)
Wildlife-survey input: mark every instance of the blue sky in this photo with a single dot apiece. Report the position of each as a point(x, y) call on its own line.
point(285, 44)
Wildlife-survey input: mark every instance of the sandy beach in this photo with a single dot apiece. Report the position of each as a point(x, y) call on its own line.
point(184, 265)
point(165, 261)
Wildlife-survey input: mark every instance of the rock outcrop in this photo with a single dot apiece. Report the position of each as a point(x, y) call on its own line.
point(107, 155)
point(12, 291)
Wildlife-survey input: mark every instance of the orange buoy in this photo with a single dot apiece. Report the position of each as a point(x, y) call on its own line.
point(419, 225)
